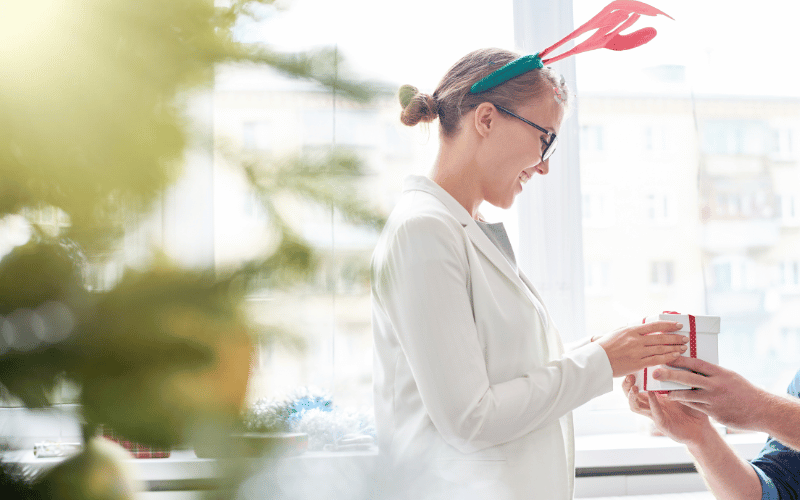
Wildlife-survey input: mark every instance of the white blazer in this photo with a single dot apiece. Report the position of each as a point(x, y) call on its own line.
point(473, 389)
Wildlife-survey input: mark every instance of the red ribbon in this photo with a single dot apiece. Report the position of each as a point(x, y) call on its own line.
point(692, 342)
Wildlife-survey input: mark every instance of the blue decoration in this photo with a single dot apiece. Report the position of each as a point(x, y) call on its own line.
point(311, 411)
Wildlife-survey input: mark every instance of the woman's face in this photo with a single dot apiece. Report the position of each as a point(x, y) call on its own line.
point(515, 151)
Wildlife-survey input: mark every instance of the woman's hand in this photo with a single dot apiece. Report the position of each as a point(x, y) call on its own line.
point(678, 421)
point(632, 348)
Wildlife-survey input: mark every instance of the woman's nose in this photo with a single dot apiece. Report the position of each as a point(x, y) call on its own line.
point(543, 167)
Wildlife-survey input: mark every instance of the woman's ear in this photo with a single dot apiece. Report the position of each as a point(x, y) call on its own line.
point(484, 118)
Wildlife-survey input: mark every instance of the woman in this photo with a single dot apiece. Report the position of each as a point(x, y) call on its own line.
point(473, 388)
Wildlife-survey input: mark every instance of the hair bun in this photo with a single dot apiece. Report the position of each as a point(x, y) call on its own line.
point(417, 107)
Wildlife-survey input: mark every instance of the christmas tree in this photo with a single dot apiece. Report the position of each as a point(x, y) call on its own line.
point(93, 129)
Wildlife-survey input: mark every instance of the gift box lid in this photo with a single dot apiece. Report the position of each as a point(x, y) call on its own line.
point(703, 324)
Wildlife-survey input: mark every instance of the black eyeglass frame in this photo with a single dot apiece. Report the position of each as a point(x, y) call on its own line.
point(550, 145)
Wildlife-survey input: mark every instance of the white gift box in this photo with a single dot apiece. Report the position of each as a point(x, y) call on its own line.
point(706, 346)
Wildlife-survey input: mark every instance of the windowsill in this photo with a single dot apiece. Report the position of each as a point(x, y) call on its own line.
point(599, 455)
point(614, 451)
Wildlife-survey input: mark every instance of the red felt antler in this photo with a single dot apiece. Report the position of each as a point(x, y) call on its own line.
point(609, 23)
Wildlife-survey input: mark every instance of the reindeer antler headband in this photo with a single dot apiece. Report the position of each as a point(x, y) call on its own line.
point(609, 22)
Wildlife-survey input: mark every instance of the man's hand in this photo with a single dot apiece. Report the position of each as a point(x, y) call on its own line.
point(680, 422)
point(632, 348)
point(683, 416)
point(722, 394)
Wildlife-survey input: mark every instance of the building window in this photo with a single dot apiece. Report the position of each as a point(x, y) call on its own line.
point(350, 128)
point(789, 344)
point(790, 274)
point(658, 208)
point(256, 135)
point(735, 137)
point(318, 127)
point(733, 273)
point(655, 138)
point(598, 278)
point(728, 204)
point(722, 276)
point(788, 207)
point(661, 273)
point(783, 144)
point(592, 138)
point(598, 207)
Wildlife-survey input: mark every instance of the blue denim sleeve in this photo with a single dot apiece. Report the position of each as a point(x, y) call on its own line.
point(777, 466)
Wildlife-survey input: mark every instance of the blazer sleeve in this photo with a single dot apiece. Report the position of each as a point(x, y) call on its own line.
point(422, 285)
point(571, 346)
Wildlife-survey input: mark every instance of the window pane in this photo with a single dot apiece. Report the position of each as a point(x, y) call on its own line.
point(326, 324)
point(715, 230)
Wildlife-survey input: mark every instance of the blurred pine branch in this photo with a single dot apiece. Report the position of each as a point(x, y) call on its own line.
point(93, 123)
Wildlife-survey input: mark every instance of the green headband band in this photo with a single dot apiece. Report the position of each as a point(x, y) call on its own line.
point(506, 73)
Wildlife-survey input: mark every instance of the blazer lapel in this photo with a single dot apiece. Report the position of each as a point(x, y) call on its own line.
point(476, 235)
point(555, 344)
point(495, 256)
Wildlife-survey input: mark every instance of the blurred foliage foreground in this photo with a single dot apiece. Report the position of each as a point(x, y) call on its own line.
point(93, 125)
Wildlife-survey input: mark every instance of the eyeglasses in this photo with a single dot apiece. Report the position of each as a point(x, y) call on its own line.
point(549, 145)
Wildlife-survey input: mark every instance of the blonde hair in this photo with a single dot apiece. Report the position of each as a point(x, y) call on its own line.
point(452, 98)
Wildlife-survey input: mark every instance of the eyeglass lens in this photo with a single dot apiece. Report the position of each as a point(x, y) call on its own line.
point(550, 149)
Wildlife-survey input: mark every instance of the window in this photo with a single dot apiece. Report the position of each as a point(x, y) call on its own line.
point(735, 137)
point(257, 135)
point(709, 227)
point(788, 208)
point(591, 138)
point(598, 207)
point(734, 273)
point(328, 337)
point(658, 208)
point(598, 278)
point(783, 143)
point(789, 273)
point(722, 276)
point(789, 343)
point(728, 204)
point(629, 225)
point(318, 127)
point(661, 274)
point(655, 138)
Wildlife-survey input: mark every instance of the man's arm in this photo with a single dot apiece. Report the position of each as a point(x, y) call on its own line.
point(781, 420)
point(731, 400)
point(727, 475)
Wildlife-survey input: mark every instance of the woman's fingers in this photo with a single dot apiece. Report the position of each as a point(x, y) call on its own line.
point(660, 359)
point(658, 326)
point(665, 339)
point(630, 349)
point(665, 349)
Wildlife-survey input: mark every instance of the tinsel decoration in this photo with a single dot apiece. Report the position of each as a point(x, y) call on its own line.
point(311, 411)
point(337, 430)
